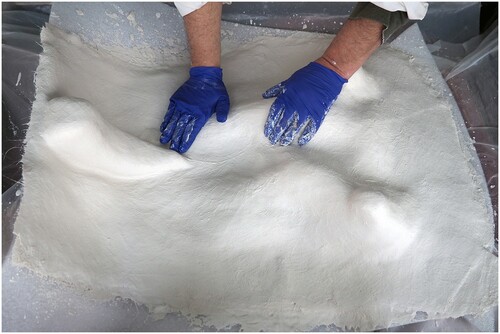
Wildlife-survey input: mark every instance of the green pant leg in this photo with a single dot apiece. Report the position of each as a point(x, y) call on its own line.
point(392, 21)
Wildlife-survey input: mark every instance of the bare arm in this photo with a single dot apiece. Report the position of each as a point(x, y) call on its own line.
point(353, 45)
point(204, 93)
point(319, 83)
point(203, 32)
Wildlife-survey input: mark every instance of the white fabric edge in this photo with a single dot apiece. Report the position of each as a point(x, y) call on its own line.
point(415, 10)
point(185, 8)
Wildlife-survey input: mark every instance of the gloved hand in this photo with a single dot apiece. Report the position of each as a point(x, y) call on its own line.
point(192, 105)
point(302, 101)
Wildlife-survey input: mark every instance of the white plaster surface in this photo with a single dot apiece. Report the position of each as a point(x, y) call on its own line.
point(379, 217)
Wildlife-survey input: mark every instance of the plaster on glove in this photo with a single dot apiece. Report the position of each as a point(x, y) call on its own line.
point(302, 103)
point(192, 105)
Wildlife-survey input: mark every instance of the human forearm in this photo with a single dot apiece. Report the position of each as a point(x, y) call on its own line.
point(303, 100)
point(204, 93)
point(203, 33)
point(353, 45)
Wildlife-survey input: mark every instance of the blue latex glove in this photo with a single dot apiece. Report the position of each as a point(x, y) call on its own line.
point(192, 105)
point(302, 102)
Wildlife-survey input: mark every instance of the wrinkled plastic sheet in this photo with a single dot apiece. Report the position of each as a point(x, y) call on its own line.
point(474, 81)
point(20, 47)
point(471, 74)
point(471, 71)
point(454, 22)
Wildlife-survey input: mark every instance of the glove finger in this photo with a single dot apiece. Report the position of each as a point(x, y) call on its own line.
point(287, 137)
point(280, 127)
point(274, 90)
point(308, 133)
point(168, 116)
point(222, 109)
point(166, 135)
point(275, 115)
point(190, 133)
point(179, 131)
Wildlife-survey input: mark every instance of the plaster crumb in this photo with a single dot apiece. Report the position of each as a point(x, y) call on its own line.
point(131, 19)
point(114, 16)
point(18, 82)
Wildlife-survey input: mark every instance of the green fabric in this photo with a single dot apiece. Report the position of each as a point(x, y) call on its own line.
point(391, 20)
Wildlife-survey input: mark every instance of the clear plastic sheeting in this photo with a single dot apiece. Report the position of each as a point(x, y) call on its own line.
point(454, 22)
point(450, 21)
point(20, 47)
point(471, 71)
point(325, 17)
